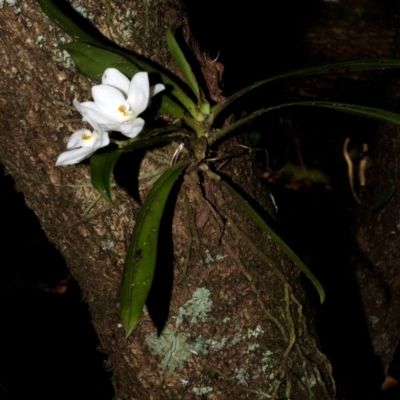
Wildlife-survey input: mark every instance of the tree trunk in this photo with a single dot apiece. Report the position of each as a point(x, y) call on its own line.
point(378, 265)
point(228, 305)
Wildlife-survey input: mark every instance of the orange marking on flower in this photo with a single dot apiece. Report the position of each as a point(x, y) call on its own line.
point(87, 136)
point(123, 109)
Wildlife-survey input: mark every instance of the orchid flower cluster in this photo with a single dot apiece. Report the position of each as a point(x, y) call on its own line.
point(117, 103)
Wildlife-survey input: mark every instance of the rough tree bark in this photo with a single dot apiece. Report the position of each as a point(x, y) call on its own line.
point(235, 320)
point(377, 266)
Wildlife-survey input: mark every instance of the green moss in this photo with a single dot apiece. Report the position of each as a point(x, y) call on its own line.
point(312, 381)
point(82, 10)
point(217, 346)
point(209, 259)
point(176, 346)
point(12, 3)
point(173, 346)
point(64, 58)
point(266, 361)
point(238, 337)
point(203, 390)
point(107, 244)
point(381, 344)
point(255, 332)
point(373, 320)
point(252, 346)
point(197, 308)
point(242, 376)
point(40, 39)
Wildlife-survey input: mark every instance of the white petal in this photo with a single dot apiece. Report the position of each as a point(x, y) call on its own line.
point(133, 129)
point(85, 106)
point(115, 78)
point(92, 114)
point(103, 141)
point(139, 93)
point(110, 126)
point(74, 156)
point(156, 89)
point(76, 139)
point(108, 99)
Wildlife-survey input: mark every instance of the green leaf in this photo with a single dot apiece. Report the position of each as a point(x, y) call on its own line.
point(262, 224)
point(348, 108)
point(101, 167)
point(182, 63)
point(146, 142)
point(362, 111)
point(94, 60)
point(240, 122)
point(65, 17)
point(142, 253)
point(342, 66)
point(385, 198)
point(170, 107)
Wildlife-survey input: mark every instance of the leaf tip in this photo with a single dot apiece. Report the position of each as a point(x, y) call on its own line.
point(130, 326)
point(321, 293)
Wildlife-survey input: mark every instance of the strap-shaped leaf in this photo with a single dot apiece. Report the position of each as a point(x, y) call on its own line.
point(262, 224)
point(65, 17)
point(355, 109)
point(101, 169)
point(342, 66)
point(147, 142)
point(102, 165)
point(183, 65)
point(93, 60)
point(361, 111)
point(142, 253)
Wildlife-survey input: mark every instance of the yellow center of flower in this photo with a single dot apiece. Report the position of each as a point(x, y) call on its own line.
point(87, 136)
point(124, 109)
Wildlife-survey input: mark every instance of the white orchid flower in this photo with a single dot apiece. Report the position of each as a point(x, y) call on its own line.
point(118, 102)
point(82, 144)
point(117, 79)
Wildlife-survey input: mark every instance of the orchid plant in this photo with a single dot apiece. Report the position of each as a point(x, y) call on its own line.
point(116, 106)
point(123, 95)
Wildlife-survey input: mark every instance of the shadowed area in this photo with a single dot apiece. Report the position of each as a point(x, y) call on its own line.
point(49, 349)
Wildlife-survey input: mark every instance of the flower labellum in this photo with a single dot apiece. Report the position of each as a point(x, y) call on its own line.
point(118, 102)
